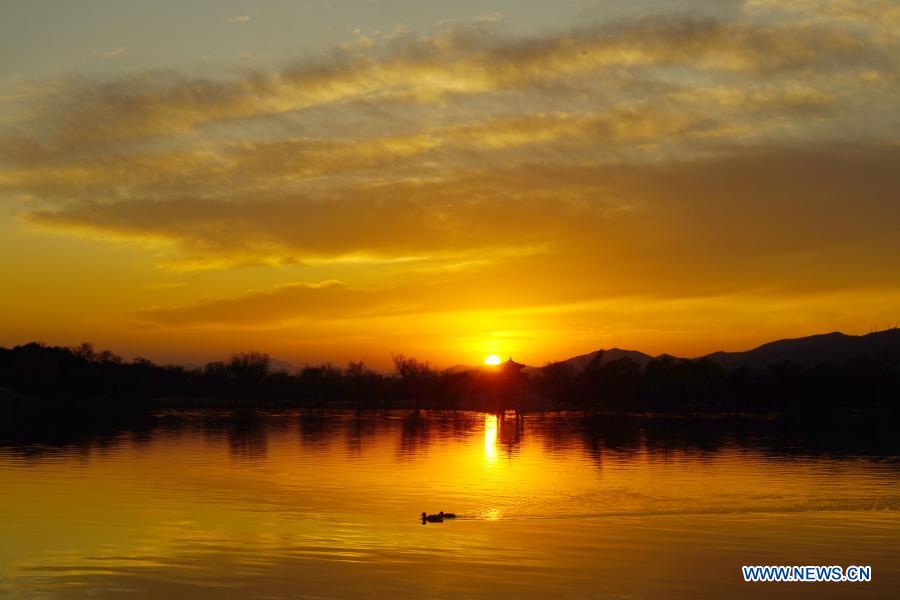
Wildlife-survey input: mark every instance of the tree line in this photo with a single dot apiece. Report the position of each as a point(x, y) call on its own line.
point(82, 375)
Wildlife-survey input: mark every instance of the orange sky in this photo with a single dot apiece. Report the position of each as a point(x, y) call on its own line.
point(450, 183)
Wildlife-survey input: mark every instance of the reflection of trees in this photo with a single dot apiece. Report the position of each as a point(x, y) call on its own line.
point(247, 436)
point(359, 428)
point(414, 433)
point(313, 427)
point(420, 428)
point(48, 428)
point(246, 432)
point(659, 435)
point(455, 424)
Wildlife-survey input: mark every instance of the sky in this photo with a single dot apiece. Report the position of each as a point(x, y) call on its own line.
point(335, 181)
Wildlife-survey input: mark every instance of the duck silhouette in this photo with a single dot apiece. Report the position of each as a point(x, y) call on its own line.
point(438, 518)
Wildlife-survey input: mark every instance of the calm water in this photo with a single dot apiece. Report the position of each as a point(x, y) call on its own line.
point(298, 504)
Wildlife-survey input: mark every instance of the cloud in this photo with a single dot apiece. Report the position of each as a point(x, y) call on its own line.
point(464, 63)
point(470, 143)
point(114, 54)
point(767, 219)
point(302, 303)
point(494, 17)
point(287, 302)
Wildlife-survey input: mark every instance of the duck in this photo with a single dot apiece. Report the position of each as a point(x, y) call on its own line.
point(432, 518)
point(448, 515)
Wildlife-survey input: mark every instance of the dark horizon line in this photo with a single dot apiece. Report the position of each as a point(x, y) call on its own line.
point(296, 367)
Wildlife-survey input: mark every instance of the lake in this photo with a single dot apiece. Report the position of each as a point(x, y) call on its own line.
point(314, 504)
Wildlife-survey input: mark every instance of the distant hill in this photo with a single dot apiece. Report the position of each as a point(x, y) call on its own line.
point(578, 363)
point(282, 366)
point(461, 368)
point(830, 348)
point(808, 351)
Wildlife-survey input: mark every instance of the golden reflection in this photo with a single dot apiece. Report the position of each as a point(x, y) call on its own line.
point(490, 438)
point(282, 494)
point(493, 514)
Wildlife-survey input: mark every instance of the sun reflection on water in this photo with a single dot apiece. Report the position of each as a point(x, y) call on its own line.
point(490, 438)
point(492, 514)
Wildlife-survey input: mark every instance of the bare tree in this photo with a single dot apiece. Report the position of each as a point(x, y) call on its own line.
point(409, 368)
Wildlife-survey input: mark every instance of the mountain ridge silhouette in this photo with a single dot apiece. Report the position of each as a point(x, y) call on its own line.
point(822, 348)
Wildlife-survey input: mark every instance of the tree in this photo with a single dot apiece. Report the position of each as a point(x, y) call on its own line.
point(249, 366)
point(86, 351)
point(409, 368)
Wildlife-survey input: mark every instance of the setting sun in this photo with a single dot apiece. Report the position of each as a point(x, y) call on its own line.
point(493, 360)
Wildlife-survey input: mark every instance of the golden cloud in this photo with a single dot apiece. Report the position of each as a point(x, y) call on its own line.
point(693, 140)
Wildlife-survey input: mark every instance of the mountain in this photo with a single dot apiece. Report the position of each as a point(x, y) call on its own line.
point(578, 363)
point(461, 368)
point(464, 368)
point(808, 351)
point(282, 366)
point(831, 348)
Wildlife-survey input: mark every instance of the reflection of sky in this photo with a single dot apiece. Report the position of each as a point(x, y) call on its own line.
point(177, 506)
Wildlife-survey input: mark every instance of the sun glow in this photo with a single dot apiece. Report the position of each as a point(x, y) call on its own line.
point(493, 359)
